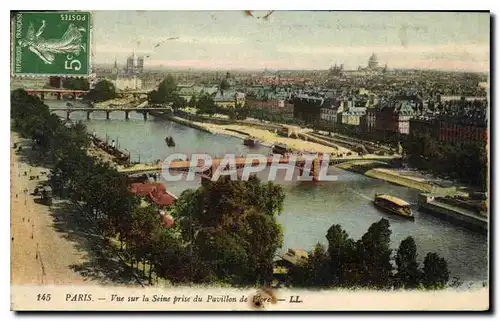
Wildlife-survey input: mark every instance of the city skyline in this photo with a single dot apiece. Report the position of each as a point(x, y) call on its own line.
point(294, 39)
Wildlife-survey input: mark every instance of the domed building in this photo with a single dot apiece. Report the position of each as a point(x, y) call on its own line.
point(372, 69)
point(373, 62)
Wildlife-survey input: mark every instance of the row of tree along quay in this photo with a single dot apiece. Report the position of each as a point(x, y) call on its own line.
point(225, 232)
point(466, 161)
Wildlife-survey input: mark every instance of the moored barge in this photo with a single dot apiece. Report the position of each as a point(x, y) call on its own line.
point(251, 142)
point(282, 149)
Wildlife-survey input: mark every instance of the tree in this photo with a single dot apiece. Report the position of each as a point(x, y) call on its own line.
point(340, 250)
point(145, 223)
point(205, 105)
point(236, 220)
point(466, 161)
point(366, 263)
point(374, 255)
point(165, 93)
point(225, 254)
point(408, 274)
point(315, 273)
point(103, 90)
point(179, 102)
point(55, 81)
point(240, 112)
point(193, 101)
point(435, 273)
point(75, 83)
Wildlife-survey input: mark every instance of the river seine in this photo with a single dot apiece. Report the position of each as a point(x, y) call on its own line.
point(309, 210)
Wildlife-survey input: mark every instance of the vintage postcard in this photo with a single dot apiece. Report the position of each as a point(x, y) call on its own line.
point(250, 160)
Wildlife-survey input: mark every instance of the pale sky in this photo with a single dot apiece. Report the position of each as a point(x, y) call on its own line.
point(294, 39)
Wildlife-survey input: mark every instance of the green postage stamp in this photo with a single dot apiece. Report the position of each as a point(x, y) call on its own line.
point(51, 43)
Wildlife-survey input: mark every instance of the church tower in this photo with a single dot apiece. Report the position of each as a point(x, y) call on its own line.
point(115, 68)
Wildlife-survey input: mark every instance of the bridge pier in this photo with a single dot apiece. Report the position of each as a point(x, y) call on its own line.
point(145, 114)
point(127, 114)
point(42, 97)
point(88, 115)
point(107, 115)
point(315, 169)
point(67, 114)
point(58, 96)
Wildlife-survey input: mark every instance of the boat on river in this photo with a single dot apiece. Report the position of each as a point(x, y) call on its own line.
point(279, 148)
point(170, 141)
point(393, 205)
point(251, 142)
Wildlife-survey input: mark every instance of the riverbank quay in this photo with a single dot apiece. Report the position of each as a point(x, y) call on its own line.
point(181, 121)
point(105, 151)
point(384, 171)
point(226, 120)
point(102, 155)
point(311, 138)
point(450, 209)
point(351, 142)
point(263, 133)
point(120, 102)
point(117, 155)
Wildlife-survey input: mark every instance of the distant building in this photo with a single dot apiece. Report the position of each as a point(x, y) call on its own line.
point(229, 98)
point(372, 68)
point(292, 258)
point(308, 108)
point(393, 118)
point(188, 91)
point(275, 103)
point(151, 82)
point(140, 65)
point(353, 115)
point(280, 80)
point(129, 67)
point(124, 83)
point(135, 65)
point(469, 124)
point(115, 70)
point(452, 98)
point(484, 85)
point(373, 62)
point(367, 122)
point(328, 118)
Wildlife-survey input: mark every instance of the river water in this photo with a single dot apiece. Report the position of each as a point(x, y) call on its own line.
point(309, 210)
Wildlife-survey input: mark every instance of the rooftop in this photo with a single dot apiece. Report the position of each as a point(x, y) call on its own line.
point(295, 256)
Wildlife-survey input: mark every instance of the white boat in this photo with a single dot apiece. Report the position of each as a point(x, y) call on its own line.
point(393, 205)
